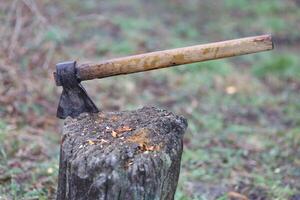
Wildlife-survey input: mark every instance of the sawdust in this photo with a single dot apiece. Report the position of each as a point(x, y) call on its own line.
point(141, 137)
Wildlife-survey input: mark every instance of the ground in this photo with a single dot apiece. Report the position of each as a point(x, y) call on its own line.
point(244, 121)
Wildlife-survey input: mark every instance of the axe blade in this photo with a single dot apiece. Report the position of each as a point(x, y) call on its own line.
point(74, 99)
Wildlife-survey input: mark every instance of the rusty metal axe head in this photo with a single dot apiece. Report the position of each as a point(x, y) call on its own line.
point(74, 99)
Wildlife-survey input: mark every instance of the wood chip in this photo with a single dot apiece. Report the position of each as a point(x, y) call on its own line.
point(114, 134)
point(142, 146)
point(123, 129)
point(114, 118)
point(91, 142)
point(103, 141)
point(150, 148)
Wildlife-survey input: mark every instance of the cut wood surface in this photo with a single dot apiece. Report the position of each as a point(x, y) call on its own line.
point(173, 57)
point(132, 155)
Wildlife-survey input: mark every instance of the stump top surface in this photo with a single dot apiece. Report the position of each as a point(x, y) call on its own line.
point(144, 130)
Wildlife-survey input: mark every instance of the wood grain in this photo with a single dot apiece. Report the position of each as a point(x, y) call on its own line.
point(173, 57)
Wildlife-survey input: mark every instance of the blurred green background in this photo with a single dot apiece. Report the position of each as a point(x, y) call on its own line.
point(244, 113)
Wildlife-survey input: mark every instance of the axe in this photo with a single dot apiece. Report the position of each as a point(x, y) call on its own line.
point(74, 99)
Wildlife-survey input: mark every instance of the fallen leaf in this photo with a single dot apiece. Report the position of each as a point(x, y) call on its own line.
point(231, 90)
point(4, 178)
point(50, 170)
point(237, 196)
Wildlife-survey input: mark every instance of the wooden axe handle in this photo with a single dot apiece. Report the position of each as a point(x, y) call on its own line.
point(173, 57)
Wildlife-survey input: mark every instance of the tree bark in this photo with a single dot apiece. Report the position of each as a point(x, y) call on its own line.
point(132, 155)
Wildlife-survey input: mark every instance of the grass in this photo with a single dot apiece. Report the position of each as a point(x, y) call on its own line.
point(243, 112)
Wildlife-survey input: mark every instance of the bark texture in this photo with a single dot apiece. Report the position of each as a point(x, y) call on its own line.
point(132, 155)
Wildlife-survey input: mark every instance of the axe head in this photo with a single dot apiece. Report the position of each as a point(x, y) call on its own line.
point(74, 99)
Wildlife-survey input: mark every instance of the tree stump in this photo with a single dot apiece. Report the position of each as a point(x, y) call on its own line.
point(132, 155)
